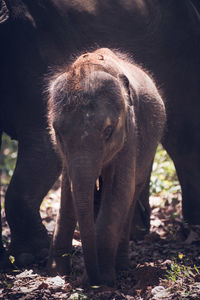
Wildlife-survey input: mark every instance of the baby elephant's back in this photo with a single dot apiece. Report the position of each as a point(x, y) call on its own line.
point(102, 59)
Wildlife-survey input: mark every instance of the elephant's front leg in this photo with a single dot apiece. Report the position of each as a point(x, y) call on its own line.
point(122, 260)
point(117, 197)
point(37, 168)
point(61, 247)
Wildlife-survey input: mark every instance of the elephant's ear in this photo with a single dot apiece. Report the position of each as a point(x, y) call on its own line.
point(4, 12)
point(128, 89)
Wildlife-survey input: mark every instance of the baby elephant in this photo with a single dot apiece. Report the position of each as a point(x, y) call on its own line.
point(106, 119)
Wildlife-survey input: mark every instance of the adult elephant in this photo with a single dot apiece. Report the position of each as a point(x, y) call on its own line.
point(40, 36)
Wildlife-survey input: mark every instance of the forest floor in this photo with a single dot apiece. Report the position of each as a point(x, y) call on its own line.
point(165, 265)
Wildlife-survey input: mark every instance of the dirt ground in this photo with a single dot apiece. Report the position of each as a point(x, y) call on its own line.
point(163, 266)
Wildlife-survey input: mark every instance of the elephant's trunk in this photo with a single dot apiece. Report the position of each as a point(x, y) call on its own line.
point(83, 178)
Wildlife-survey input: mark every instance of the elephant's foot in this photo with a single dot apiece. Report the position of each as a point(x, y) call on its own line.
point(122, 263)
point(5, 263)
point(59, 265)
point(108, 277)
point(28, 251)
point(27, 258)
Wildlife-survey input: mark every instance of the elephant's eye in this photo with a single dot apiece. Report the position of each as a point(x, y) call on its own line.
point(108, 132)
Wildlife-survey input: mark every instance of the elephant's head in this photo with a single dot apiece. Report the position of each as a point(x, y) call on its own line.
point(88, 117)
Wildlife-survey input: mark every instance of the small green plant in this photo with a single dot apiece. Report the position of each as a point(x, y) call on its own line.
point(178, 271)
point(181, 280)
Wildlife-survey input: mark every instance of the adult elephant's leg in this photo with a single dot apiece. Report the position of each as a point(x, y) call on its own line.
point(141, 214)
point(183, 145)
point(36, 170)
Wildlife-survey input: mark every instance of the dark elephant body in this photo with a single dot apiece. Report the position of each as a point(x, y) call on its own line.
point(106, 118)
point(37, 36)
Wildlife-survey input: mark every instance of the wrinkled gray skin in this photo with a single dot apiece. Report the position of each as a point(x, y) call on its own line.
point(106, 119)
